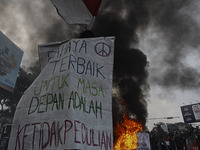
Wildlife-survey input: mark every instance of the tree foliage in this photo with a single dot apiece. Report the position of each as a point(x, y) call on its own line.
point(9, 101)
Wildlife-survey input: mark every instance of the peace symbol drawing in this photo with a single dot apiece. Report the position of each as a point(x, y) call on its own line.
point(102, 49)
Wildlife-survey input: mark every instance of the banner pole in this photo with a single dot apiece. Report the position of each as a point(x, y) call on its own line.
point(89, 27)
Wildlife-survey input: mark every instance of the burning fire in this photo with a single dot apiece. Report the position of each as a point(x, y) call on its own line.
point(127, 130)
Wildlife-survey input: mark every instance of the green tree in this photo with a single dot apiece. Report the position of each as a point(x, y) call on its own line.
point(9, 101)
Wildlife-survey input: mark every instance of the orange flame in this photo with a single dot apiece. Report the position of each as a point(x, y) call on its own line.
point(127, 130)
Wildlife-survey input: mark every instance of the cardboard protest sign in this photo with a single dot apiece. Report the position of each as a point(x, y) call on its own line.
point(191, 113)
point(69, 105)
point(10, 60)
point(143, 141)
point(165, 128)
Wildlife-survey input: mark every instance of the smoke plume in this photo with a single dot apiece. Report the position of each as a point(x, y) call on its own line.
point(35, 22)
point(176, 23)
point(29, 23)
point(130, 64)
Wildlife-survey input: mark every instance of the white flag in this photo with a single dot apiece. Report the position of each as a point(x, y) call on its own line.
point(77, 11)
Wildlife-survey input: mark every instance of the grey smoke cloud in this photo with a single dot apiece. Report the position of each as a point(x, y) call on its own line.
point(175, 27)
point(122, 19)
point(29, 23)
point(179, 29)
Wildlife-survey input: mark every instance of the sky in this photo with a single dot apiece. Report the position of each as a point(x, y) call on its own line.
point(167, 32)
point(174, 63)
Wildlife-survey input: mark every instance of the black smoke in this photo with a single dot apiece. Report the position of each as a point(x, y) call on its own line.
point(40, 23)
point(37, 22)
point(176, 27)
point(30, 23)
point(175, 20)
point(122, 19)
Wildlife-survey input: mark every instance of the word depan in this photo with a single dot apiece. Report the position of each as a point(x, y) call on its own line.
point(48, 101)
point(42, 135)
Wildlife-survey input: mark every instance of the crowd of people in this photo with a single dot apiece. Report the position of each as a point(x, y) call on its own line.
point(187, 139)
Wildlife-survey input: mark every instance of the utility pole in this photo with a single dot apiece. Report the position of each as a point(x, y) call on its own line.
point(163, 118)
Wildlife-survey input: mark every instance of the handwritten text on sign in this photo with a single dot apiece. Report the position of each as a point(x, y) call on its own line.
point(69, 105)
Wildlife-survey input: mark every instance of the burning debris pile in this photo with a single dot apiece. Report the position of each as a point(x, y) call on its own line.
point(126, 131)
